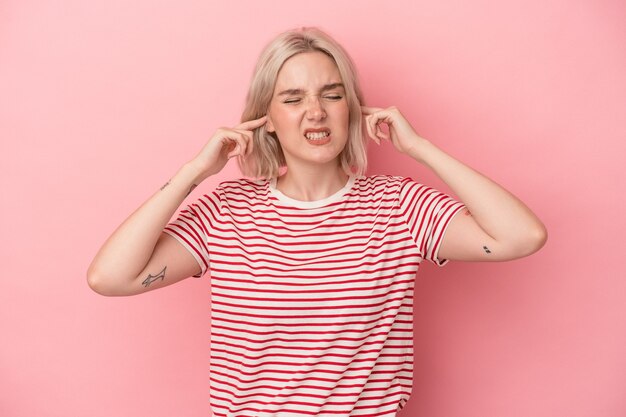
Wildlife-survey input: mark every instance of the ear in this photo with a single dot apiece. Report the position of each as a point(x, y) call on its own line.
point(269, 126)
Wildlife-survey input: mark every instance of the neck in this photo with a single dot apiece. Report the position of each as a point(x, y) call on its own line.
point(311, 183)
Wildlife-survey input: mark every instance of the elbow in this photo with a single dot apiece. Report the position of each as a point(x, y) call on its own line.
point(533, 240)
point(539, 237)
point(95, 283)
point(98, 283)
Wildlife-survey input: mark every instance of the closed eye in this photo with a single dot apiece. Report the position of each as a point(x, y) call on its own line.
point(333, 97)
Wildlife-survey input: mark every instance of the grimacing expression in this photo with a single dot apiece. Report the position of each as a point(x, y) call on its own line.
point(309, 111)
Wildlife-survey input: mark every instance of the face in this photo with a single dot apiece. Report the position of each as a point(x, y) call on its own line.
point(309, 111)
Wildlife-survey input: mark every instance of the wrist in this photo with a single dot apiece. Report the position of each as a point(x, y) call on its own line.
point(192, 173)
point(185, 179)
point(420, 150)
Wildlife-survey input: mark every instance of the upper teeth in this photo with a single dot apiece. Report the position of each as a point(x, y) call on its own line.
point(316, 135)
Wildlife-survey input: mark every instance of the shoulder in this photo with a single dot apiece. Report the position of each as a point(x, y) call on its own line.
point(382, 183)
point(242, 184)
point(243, 189)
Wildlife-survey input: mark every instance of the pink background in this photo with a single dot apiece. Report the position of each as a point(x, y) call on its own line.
point(101, 102)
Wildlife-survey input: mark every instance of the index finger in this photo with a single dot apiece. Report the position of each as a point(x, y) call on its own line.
point(369, 110)
point(252, 124)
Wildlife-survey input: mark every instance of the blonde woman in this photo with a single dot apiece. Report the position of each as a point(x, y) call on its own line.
point(312, 263)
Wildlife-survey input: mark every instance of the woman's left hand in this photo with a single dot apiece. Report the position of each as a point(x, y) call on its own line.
point(500, 226)
point(401, 133)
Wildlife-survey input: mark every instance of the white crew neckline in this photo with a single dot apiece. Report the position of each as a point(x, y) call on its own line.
point(310, 204)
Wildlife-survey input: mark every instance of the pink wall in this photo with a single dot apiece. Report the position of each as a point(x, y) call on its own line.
point(100, 102)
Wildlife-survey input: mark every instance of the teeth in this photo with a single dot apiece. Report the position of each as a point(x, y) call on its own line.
point(316, 135)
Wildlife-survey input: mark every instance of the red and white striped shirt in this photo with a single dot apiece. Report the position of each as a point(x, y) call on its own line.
point(312, 302)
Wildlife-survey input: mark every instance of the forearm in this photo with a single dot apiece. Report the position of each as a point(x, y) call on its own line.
point(127, 251)
point(499, 213)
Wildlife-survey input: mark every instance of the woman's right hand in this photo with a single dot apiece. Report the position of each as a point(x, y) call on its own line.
point(223, 145)
point(139, 256)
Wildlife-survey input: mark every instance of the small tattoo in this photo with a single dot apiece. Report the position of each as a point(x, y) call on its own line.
point(486, 249)
point(151, 278)
point(468, 213)
point(191, 189)
point(165, 185)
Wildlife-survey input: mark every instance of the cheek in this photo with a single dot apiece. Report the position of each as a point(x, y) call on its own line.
point(343, 111)
point(283, 120)
point(344, 117)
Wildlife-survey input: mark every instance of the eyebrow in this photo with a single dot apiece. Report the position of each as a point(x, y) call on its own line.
point(295, 91)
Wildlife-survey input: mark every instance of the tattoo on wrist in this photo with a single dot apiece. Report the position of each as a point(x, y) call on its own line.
point(151, 278)
point(166, 184)
point(191, 189)
point(486, 249)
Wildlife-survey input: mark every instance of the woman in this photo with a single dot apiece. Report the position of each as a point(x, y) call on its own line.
point(312, 263)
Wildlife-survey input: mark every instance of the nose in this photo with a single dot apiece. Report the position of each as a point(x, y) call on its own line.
point(315, 109)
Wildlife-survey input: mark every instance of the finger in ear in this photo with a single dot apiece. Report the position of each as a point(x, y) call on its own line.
point(269, 125)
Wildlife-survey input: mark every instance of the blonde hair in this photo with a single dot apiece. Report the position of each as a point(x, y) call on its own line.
point(267, 156)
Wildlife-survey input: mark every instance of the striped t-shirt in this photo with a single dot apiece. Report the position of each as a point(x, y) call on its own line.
point(312, 302)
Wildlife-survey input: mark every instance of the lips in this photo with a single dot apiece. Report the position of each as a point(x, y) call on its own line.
point(317, 137)
point(317, 133)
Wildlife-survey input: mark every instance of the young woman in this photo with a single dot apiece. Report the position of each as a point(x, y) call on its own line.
point(312, 263)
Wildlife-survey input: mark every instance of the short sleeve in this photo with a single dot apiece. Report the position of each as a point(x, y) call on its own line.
point(428, 213)
point(194, 225)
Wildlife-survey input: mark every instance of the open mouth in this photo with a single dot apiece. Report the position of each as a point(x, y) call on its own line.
point(317, 135)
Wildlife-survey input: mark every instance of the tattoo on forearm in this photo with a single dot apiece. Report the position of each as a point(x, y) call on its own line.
point(486, 249)
point(188, 192)
point(151, 278)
